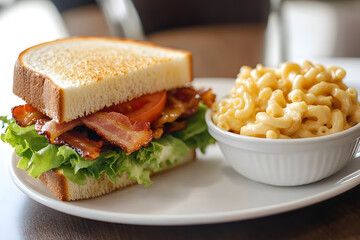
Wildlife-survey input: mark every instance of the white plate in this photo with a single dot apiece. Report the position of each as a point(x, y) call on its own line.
point(207, 191)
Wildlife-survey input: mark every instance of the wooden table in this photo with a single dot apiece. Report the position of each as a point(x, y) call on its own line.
point(336, 218)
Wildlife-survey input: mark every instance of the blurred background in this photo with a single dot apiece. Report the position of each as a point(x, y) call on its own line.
point(222, 35)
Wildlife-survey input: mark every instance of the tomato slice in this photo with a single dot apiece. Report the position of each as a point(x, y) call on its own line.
point(146, 108)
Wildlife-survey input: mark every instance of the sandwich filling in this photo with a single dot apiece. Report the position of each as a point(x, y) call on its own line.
point(138, 133)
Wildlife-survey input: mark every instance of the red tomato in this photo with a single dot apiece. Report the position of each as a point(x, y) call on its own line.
point(146, 108)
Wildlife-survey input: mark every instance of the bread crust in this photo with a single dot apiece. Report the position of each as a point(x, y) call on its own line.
point(38, 90)
point(41, 92)
point(56, 182)
point(65, 190)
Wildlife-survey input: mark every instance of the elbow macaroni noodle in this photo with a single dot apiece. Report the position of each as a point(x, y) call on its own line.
point(293, 101)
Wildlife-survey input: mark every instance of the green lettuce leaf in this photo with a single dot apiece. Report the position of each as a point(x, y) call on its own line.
point(196, 135)
point(37, 155)
point(5, 121)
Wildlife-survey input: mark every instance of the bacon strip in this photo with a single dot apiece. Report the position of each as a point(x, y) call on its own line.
point(207, 97)
point(173, 110)
point(52, 129)
point(25, 115)
point(181, 103)
point(113, 127)
point(189, 97)
point(118, 130)
point(88, 149)
point(175, 126)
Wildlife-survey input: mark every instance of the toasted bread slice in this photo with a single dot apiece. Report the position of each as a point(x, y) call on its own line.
point(66, 190)
point(70, 78)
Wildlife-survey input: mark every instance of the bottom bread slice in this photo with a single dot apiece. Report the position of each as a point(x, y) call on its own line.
point(67, 190)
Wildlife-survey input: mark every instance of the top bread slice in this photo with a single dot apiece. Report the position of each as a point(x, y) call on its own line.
point(70, 78)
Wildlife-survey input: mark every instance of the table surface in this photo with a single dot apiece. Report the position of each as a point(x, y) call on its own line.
point(23, 218)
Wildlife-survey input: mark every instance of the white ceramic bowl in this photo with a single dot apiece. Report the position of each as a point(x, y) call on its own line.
point(286, 162)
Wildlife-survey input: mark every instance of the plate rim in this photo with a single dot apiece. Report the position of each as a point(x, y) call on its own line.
point(171, 219)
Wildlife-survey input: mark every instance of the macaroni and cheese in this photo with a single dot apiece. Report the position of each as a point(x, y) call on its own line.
point(293, 101)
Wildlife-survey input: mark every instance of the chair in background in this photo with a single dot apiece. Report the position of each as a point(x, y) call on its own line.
point(122, 18)
point(222, 35)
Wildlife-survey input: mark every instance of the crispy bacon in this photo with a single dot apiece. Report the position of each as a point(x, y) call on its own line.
point(207, 97)
point(175, 126)
point(184, 94)
point(26, 115)
point(113, 127)
point(80, 142)
point(189, 97)
point(173, 110)
point(157, 133)
point(52, 129)
point(118, 130)
point(181, 103)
